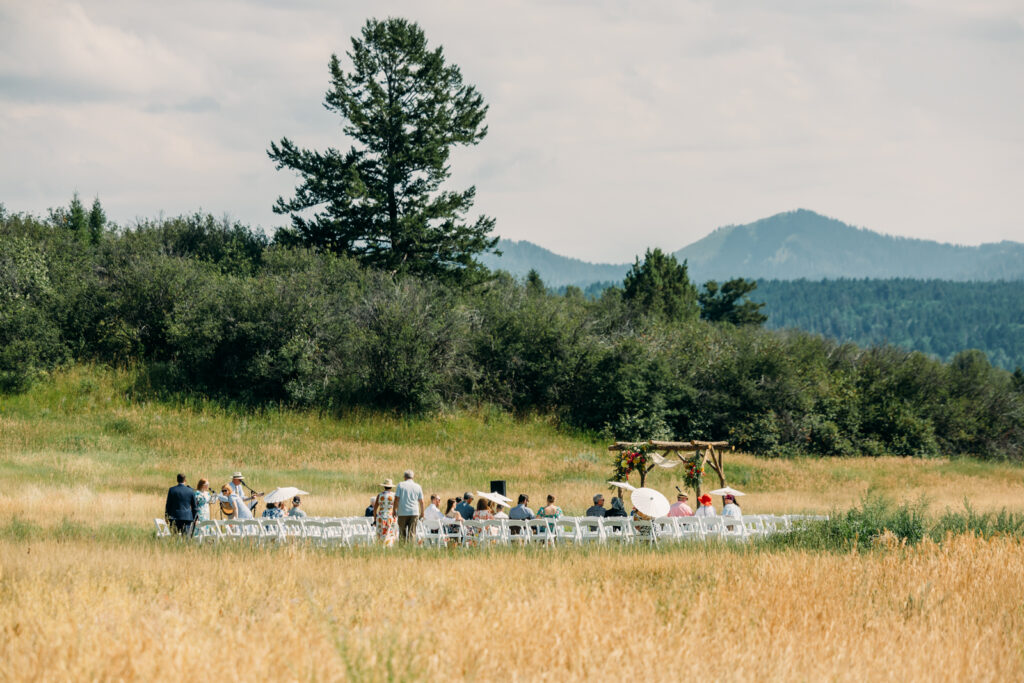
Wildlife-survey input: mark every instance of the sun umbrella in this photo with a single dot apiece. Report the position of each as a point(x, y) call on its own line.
point(650, 502)
point(284, 493)
point(493, 497)
point(623, 485)
point(727, 491)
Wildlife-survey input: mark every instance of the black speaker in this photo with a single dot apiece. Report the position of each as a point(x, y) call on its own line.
point(498, 487)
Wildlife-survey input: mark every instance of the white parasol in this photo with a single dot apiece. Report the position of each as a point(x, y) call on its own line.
point(284, 493)
point(650, 502)
point(727, 491)
point(493, 497)
point(623, 485)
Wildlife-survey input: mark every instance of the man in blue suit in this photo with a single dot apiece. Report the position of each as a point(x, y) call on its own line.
point(181, 506)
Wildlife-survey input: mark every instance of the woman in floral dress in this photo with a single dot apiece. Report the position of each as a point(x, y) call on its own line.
point(203, 497)
point(384, 519)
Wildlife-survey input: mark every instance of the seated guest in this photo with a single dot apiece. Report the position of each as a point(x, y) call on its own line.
point(465, 508)
point(433, 510)
point(731, 507)
point(680, 508)
point(705, 509)
point(499, 512)
point(273, 511)
point(369, 508)
point(483, 510)
point(180, 508)
point(597, 509)
point(451, 510)
point(550, 511)
point(296, 511)
point(617, 509)
point(521, 510)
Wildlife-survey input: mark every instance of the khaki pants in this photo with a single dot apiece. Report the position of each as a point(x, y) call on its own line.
point(407, 527)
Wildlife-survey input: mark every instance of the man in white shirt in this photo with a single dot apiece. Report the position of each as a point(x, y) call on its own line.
point(408, 506)
point(237, 489)
point(433, 510)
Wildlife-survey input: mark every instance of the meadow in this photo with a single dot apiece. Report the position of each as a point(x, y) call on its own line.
point(87, 593)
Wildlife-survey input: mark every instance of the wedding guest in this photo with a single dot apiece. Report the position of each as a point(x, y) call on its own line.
point(180, 507)
point(705, 509)
point(597, 509)
point(296, 511)
point(680, 508)
point(617, 509)
point(383, 514)
point(731, 507)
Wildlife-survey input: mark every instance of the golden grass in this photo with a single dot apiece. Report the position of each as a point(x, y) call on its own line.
point(157, 612)
point(81, 466)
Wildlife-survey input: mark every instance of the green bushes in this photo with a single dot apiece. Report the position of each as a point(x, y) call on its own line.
point(208, 309)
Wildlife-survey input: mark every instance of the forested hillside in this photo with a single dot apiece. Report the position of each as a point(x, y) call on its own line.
point(934, 316)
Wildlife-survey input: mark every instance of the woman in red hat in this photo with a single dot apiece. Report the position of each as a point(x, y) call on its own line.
point(705, 509)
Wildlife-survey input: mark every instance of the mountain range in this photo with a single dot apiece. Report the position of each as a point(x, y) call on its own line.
point(793, 245)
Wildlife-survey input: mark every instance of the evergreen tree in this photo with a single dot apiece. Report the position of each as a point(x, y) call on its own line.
point(660, 286)
point(97, 221)
point(77, 220)
point(380, 201)
point(719, 304)
point(534, 284)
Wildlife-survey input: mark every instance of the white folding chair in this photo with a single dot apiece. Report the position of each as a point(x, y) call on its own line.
point(291, 527)
point(360, 531)
point(428, 533)
point(754, 525)
point(162, 529)
point(644, 531)
point(567, 530)
point(313, 531)
point(541, 531)
point(451, 532)
point(231, 529)
point(711, 527)
point(618, 529)
point(591, 530)
point(689, 528)
point(493, 532)
point(335, 532)
point(207, 530)
point(733, 529)
point(518, 531)
point(666, 529)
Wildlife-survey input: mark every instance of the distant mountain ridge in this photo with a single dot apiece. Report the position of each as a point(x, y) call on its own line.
point(793, 245)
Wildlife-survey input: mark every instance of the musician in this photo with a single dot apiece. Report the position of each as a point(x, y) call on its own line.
point(231, 505)
point(238, 488)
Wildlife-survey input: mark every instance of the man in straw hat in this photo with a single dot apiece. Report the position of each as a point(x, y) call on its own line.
point(238, 487)
point(680, 508)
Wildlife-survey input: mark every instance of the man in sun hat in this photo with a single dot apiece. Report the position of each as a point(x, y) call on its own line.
point(237, 487)
point(705, 509)
point(680, 508)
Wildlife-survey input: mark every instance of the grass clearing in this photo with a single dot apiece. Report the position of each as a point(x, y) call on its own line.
point(86, 592)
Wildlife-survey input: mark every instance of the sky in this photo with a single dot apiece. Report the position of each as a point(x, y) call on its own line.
point(613, 126)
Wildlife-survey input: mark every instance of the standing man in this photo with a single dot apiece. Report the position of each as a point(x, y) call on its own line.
point(180, 508)
point(680, 508)
point(465, 508)
point(408, 506)
point(597, 509)
point(433, 511)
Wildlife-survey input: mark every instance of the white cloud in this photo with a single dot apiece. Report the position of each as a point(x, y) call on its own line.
point(614, 125)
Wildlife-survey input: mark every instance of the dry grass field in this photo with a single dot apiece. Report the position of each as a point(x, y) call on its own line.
point(86, 593)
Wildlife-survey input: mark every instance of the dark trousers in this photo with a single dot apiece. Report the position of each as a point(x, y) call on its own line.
point(180, 526)
point(407, 527)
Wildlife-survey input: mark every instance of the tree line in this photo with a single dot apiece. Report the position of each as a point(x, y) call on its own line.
point(209, 307)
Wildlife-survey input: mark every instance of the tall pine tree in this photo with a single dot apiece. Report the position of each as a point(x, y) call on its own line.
point(381, 201)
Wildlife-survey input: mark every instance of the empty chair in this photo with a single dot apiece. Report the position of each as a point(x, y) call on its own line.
point(666, 529)
point(591, 529)
point(689, 528)
point(754, 526)
point(232, 529)
point(162, 529)
point(207, 530)
point(618, 529)
point(360, 531)
point(291, 528)
point(711, 527)
point(428, 533)
point(314, 531)
point(567, 530)
point(335, 532)
point(252, 530)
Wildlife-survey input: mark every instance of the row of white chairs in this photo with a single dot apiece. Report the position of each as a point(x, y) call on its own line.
point(354, 531)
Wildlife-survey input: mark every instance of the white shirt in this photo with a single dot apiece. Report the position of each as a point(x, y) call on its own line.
point(705, 511)
point(409, 494)
point(500, 515)
point(432, 512)
point(732, 510)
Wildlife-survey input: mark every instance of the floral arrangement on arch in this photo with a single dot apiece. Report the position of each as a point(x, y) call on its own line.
point(627, 462)
point(693, 471)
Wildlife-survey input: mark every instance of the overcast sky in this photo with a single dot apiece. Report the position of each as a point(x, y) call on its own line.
point(613, 126)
